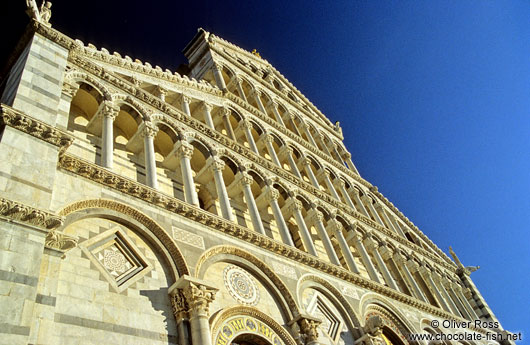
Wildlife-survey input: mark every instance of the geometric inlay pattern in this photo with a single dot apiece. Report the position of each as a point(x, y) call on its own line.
point(331, 324)
point(241, 285)
point(117, 258)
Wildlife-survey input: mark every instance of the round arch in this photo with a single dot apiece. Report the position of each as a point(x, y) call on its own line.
point(238, 256)
point(127, 215)
point(77, 77)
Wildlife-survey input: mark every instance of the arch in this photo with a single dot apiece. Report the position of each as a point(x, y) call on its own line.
point(89, 208)
point(333, 294)
point(131, 102)
point(255, 265)
point(219, 320)
point(76, 77)
point(380, 305)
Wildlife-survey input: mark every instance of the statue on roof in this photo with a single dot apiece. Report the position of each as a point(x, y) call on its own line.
point(338, 128)
point(467, 269)
point(255, 52)
point(41, 15)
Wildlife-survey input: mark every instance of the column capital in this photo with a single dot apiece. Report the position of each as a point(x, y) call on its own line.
point(149, 130)
point(272, 194)
point(378, 206)
point(366, 198)
point(217, 67)
point(244, 178)
point(109, 109)
point(467, 292)
point(308, 327)
point(424, 271)
point(285, 149)
point(267, 137)
point(69, 89)
point(385, 252)
point(206, 106)
point(245, 124)
point(161, 91)
point(179, 305)
point(305, 161)
point(184, 99)
point(216, 163)
point(370, 243)
point(272, 104)
point(315, 215)
point(346, 155)
point(399, 258)
point(184, 149)
point(413, 266)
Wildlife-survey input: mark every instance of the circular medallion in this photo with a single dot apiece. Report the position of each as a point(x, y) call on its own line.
point(240, 285)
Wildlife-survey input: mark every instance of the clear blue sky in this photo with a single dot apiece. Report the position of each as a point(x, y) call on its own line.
point(433, 97)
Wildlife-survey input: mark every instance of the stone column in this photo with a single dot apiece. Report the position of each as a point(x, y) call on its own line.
point(272, 198)
point(218, 76)
point(246, 181)
point(288, 153)
point(401, 264)
point(316, 217)
point(342, 187)
point(365, 258)
point(225, 114)
point(237, 81)
point(261, 107)
point(161, 93)
point(386, 254)
point(180, 311)
point(308, 134)
point(185, 100)
point(306, 163)
point(456, 291)
point(290, 119)
point(108, 112)
point(206, 109)
point(359, 202)
point(442, 287)
point(336, 152)
point(323, 143)
point(397, 227)
point(268, 140)
point(295, 207)
point(217, 166)
point(336, 228)
point(184, 152)
point(149, 133)
point(274, 107)
point(324, 174)
point(368, 201)
point(198, 294)
point(426, 274)
point(246, 126)
point(373, 247)
point(385, 216)
point(466, 295)
point(347, 157)
point(412, 267)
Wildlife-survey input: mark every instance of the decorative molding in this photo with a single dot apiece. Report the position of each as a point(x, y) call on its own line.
point(100, 175)
point(38, 129)
point(26, 214)
point(60, 241)
point(187, 237)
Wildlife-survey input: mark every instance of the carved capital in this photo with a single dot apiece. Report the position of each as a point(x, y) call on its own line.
point(217, 164)
point(198, 297)
point(69, 89)
point(184, 99)
point(149, 130)
point(179, 305)
point(272, 194)
point(161, 91)
point(245, 179)
point(60, 241)
point(108, 109)
point(184, 150)
point(206, 107)
point(315, 216)
point(224, 112)
point(245, 124)
point(309, 329)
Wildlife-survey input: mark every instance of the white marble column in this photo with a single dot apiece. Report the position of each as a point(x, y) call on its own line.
point(322, 140)
point(387, 221)
point(272, 197)
point(149, 133)
point(102, 122)
point(442, 287)
point(246, 127)
point(456, 292)
point(273, 105)
point(336, 153)
point(401, 264)
point(324, 175)
point(316, 217)
point(337, 228)
point(342, 187)
point(306, 163)
point(365, 258)
point(426, 274)
point(217, 166)
point(373, 247)
point(237, 81)
point(287, 152)
point(357, 198)
point(161, 93)
point(206, 109)
point(308, 134)
point(218, 76)
point(246, 181)
point(466, 295)
point(368, 201)
point(412, 267)
point(289, 118)
point(184, 151)
point(396, 225)
point(185, 102)
point(295, 207)
point(256, 95)
point(225, 115)
point(268, 141)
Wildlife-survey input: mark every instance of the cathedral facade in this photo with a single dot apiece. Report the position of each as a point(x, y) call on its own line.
point(214, 206)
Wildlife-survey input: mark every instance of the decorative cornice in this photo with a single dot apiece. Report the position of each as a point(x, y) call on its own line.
point(135, 189)
point(38, 129)
point(20, 212)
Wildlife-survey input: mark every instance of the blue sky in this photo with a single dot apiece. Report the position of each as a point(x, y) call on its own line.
point(433, 98)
